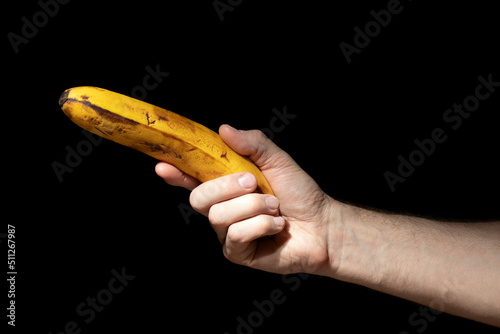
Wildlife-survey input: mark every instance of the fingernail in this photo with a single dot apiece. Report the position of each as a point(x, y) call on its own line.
point(279, 222)
point(272, 202)
point(246, 181)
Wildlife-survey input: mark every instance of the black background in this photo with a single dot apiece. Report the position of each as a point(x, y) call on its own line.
point(352, 122)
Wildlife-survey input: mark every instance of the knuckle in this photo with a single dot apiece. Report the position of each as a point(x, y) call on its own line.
point(255, 203)
point(202, 196)
point(196, 199)
point(259, 135)
point(217, 186)
point(265, 224)
point(216, 215)
point(209, 191)
point(235, 235)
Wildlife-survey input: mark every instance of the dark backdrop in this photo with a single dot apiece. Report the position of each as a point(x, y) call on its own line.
point(235, 62)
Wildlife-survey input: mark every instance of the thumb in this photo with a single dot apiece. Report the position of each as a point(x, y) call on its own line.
point(258, 147)
point(295, 189)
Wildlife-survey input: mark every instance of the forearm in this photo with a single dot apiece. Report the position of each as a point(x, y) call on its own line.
point(452, 267)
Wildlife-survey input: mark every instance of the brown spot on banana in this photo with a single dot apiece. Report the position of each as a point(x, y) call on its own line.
point(224, 156)
point(149, 122)
point(107, 114)
point(162, 134)
point(104, 113)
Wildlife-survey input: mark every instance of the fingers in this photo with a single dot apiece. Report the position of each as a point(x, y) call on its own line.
point(251, 206)
point(238, 246)
point(175, 177)
point(229, 201)
point(221, 189)
point(238, 216)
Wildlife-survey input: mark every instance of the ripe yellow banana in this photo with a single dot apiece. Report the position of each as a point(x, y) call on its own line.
point(162, 134)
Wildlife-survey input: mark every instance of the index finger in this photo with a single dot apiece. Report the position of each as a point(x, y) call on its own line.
point(175, 177)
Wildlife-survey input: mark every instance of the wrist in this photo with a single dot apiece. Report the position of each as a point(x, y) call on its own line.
point(353, 245)
point(336, 219)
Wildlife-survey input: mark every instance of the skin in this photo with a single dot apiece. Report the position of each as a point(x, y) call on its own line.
point(452, 267)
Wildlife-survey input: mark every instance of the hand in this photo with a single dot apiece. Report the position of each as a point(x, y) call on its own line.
point(304, 238)
point(413, 258)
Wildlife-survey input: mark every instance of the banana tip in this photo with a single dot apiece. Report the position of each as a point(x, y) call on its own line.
point(63, 98)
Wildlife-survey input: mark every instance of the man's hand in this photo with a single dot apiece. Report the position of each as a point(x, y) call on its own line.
point(452, 266)
point(303, 238)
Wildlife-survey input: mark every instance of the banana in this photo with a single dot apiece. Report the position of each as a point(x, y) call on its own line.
point(162, 134)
